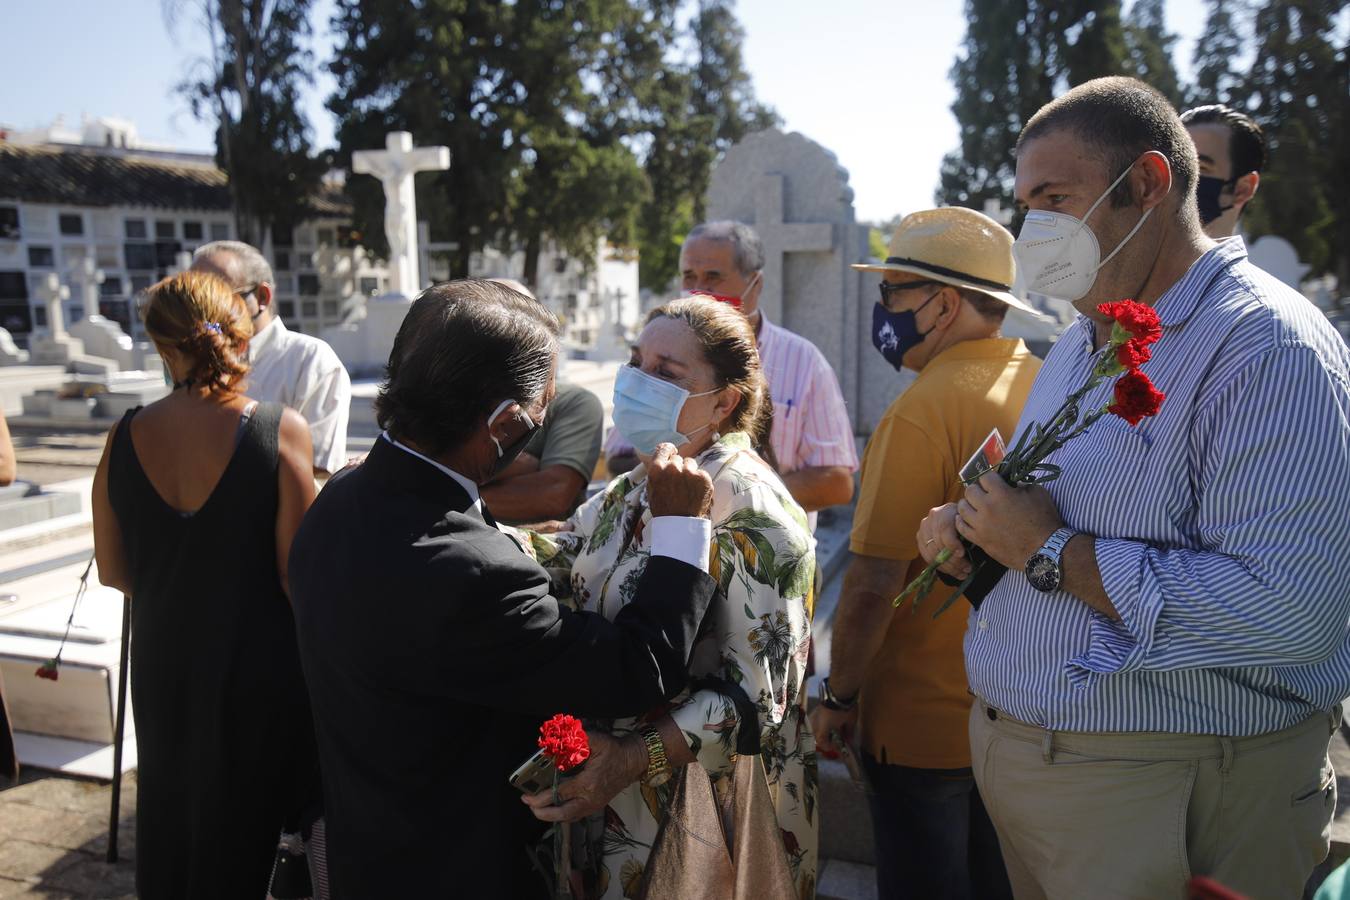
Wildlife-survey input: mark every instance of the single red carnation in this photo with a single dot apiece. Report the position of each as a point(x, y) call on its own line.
point(1139, 319)
point(564, 741)
point(1136, 397)
point(48, 670)
point(1132, 354)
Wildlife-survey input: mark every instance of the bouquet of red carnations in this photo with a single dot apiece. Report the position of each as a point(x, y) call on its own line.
point(1135, 328)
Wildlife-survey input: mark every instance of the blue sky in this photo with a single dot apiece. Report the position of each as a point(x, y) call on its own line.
point(866, 78)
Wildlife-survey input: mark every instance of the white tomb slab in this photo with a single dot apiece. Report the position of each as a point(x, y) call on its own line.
point(65, 725)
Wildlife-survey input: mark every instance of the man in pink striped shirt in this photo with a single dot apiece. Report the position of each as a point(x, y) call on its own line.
point(811, 436)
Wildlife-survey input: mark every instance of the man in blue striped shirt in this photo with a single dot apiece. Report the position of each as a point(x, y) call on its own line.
point(1156, 691)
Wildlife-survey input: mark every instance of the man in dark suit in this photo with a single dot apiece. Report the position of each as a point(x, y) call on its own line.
point(431, 644)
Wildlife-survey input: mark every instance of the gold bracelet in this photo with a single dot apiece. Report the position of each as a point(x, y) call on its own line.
point(658, 766)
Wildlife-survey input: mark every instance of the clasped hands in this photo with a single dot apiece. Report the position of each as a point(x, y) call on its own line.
point(1008, 523)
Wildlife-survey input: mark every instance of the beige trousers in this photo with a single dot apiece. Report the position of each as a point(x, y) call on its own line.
point(1134, 815)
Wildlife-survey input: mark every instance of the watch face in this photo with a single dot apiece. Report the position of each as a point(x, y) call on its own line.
point(1043, 572)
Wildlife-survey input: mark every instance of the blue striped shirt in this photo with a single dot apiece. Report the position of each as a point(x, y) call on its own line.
point(1222, 526)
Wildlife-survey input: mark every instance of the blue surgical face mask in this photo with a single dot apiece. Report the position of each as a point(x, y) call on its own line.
point(647, 410)
point(896, 333)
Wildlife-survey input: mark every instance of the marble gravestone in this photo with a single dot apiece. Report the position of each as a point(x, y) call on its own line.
point(101, 336)
point(797, 197)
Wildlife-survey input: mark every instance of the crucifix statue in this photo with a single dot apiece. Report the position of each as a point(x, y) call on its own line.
point(395, 167)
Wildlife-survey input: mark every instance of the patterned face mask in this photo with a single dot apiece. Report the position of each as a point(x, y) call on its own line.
point(896, 333)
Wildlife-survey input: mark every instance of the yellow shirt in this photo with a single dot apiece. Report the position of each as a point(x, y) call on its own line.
point(915, 702)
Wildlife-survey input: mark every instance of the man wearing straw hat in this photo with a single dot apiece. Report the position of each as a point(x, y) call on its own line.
point(897, 684)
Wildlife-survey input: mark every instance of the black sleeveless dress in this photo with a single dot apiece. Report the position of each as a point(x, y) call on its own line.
point(223, 726)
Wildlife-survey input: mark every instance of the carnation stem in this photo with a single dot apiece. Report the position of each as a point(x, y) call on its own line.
point(562, 849)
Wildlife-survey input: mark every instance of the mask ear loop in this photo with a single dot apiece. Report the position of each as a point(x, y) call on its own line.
point(1137, 225)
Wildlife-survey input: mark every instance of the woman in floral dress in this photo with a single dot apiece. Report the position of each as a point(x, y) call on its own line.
point(758, 630)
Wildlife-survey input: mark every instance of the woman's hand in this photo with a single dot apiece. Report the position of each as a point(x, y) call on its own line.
point(614, 764)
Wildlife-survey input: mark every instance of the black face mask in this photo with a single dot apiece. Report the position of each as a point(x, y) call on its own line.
point(1207, 191)
point(507, 455)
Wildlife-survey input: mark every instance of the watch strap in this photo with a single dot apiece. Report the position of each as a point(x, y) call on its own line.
point(658, 764)
point(1054, 545)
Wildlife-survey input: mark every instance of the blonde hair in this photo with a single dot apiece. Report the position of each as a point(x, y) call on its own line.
point(728, 344)
point(201, 317)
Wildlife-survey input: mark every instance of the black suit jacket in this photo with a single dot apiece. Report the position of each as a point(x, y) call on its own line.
point(433, 650)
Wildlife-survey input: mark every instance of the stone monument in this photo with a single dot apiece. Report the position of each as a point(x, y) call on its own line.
point(1278, 257)
point(797, 197)
point(104, 337)
point(364, 345)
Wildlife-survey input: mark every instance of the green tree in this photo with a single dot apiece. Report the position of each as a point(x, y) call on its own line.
point(251, 89)
point(1011, 65)
point(1216, 52)
point(434, 68)
point(1149, 46)
point(1297, 90)
point(695, 107)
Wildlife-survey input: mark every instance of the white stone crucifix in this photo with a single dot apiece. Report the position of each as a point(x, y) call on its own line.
point(53, 293)
point(85, 278)
point(781, 238)
point(395, 167)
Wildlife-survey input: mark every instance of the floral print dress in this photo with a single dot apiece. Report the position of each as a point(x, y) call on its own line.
point(756, 635)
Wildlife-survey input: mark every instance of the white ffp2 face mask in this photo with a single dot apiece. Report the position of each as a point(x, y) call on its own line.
point(1059, 254)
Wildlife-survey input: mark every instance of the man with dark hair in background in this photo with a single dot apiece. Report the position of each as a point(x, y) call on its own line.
point(1160, 670)
point(432, 646)
point(548, 480)
point(1232, 153)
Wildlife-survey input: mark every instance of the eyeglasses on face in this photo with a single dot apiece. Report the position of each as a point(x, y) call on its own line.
point(887, 288)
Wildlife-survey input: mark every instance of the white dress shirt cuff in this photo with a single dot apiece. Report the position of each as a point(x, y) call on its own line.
point(685, 538)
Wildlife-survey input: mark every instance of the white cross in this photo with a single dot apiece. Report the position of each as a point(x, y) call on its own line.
point(52, 292)
point(86, 278)
point(781, 238)
point(994, 209)
point(395, 167)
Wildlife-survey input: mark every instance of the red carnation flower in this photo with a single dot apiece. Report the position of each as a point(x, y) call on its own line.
point(1136, 397)
point(48, 670)
point(1139, 319)
point(1132, 354)
point(564, 741)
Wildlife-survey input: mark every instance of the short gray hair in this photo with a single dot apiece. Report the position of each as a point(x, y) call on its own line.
point(253, 266)
point(746, 248)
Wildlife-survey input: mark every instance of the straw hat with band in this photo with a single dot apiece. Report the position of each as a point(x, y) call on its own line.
point(957, 246)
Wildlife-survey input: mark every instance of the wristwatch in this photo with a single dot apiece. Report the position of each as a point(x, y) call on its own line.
point(658, 766)
point(829, 700)
point(1045, 570)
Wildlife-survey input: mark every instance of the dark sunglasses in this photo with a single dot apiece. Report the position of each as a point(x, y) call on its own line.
point(887, 289)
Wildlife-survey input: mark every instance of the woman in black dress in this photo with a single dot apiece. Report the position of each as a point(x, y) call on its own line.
point(195, 503)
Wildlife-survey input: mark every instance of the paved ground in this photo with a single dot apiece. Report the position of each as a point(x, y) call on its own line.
point(48, 457)
point(54, 839)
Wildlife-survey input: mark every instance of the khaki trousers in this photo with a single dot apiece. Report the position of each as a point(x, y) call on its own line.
point(1135, 815)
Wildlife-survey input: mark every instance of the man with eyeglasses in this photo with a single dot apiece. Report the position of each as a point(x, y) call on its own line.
point(286, 367)
point(897, 685)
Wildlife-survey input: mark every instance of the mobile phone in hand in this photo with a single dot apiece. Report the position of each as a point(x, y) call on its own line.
point(534, 775)
point(850, 759)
